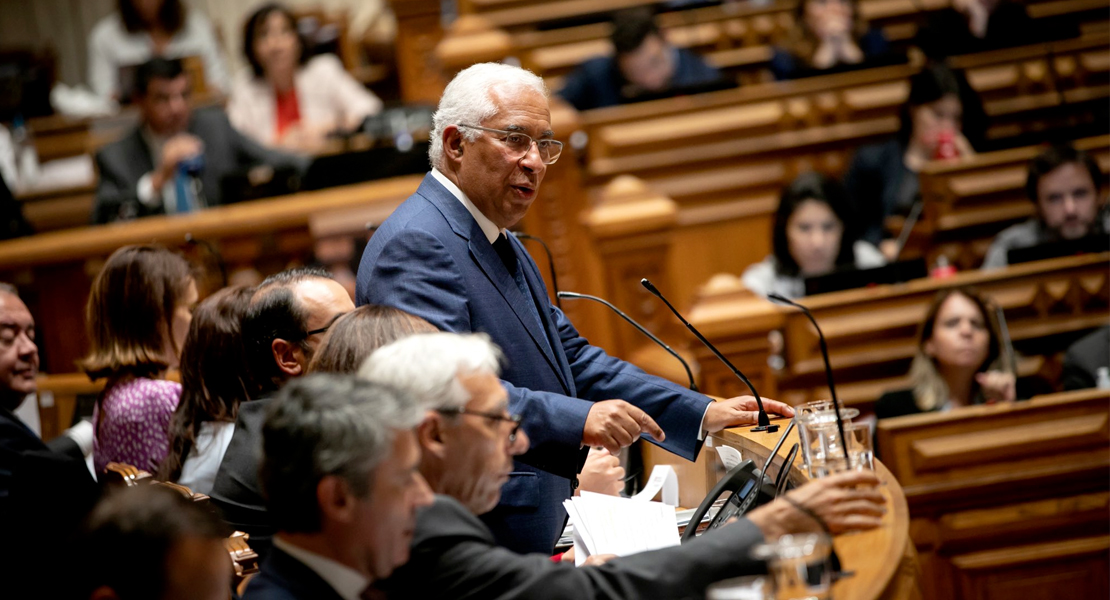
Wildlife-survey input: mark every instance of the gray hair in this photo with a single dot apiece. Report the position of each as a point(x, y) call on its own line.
point(467, 100)
point(7, 288)
point(428, 365)
point(322, 425)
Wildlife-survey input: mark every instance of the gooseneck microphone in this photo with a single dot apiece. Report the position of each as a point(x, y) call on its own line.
point(764, 422)
point(828, 369)
point(640, 328)
point(550, 262)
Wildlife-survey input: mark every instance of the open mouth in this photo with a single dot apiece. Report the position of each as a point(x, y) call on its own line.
point(524, 190)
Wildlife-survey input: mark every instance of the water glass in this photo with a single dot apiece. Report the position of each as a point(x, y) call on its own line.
point(820, 437)
point(752, 587)
point(799, 565)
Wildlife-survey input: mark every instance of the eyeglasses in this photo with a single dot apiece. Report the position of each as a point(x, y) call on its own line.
point(514, 419)
point(520, 143)
point(323, 329)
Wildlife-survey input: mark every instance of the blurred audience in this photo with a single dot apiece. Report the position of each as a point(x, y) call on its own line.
point(812, 235)
point(287, 98)
point(357, 334)
point(342, 484)
point(176, 159)
point(140, 30)
point(977, 26)
point(828, 37)
point(1085, 359)
point(150, 542)
point(137, 316)
point(12, 222)
point(214, 382)
point(643, 65)
point(958, 361)
point(286, 321)
point(882, 178)
point(46, 489)
point(1065, 185)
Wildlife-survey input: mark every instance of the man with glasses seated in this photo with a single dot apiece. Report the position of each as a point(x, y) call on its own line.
point(444, 255)
point(288, 316)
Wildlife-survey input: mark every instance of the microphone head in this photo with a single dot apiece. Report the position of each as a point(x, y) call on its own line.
point(778, 298)
point(649, 286)
point(566, 295)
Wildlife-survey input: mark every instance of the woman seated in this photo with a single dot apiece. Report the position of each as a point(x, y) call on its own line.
point(213, 384)
point(288, 99)
point(829, 37)
point(137, 316)
point(143, 29)
point(958, 360)
point(882, 178)
point(810, 237)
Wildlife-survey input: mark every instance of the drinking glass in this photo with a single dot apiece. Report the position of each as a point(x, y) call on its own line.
point(799, 565)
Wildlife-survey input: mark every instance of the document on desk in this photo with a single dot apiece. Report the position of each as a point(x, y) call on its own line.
point(622, 526)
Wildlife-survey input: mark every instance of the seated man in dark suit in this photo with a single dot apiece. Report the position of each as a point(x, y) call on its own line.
point(1087, 362)
point(288, 316)
point(468, 439)
point(45, 489)
point(175, 159)
point(644, 66)
point(342, 487)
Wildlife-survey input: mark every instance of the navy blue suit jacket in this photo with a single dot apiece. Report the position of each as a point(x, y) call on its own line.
point(431, 259)
point(283, 577)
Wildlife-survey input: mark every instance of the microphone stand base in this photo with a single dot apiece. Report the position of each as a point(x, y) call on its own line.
point(766, 428)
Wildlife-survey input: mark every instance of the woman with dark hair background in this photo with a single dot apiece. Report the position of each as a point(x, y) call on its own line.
point(829, 37)
point(213, 384)
point(140, 30)
point(286, 98)
point(940, 117)
point(811, 235)
point(958, 360)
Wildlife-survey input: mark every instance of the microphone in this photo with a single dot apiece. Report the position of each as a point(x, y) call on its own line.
point(620, 313)
point(908, 225)
point(550, 263)
point(828, 370)
point(763, 420)
point(1007, 343)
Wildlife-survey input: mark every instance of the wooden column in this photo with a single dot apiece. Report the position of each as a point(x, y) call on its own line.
point(419, 30)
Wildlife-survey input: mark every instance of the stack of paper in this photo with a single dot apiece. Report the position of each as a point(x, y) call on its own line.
point(621, 526)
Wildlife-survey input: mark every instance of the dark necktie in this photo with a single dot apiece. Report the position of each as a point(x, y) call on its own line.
point(504, 249)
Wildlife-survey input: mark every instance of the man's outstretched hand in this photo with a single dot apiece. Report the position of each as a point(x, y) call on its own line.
point(615, 424)
point(740, 411)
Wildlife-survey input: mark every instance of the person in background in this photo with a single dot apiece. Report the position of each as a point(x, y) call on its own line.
point(643, 64)
point(882, 179)
point(140, 30)
point(977, 26)
point(150, 542)
point(1087, 362)
point(829, 37)
point(958, 360)
point(287, 99)
point(175, 160)
point(357, 334)
point(137, 316)
point(214, 382)
point(1064, 184)
point(811, 236)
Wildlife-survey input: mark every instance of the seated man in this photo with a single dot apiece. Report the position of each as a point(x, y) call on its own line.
point(288, 316)
point(468, 439)
point(46, 489)
point(1087, 362)
point(1064, 184)
point(644, 64)
point(175, 159)
point(342, 486)
point(150, 542)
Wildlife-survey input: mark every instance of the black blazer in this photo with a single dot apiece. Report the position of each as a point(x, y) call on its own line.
point(122, 163)
point(454, 556)
point(283, 577)
point(1083, 359)
point(236, 491)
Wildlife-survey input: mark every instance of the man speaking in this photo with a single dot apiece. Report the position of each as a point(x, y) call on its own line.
point(444, 256)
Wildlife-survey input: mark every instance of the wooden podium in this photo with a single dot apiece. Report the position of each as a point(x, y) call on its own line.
point(1008, 501)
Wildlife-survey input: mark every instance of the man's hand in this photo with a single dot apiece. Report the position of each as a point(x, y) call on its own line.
point(739, 411)
point(845, 502)
point(615, 424)
point(997, 386)
point(602, 473)
point(176, 149)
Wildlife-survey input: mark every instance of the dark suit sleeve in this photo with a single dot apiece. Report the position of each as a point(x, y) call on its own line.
point(117, 197)
point(599, 376)
point(460, 561)
point(416, 274)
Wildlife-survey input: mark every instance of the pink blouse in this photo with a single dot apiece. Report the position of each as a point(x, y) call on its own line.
point(135, 424)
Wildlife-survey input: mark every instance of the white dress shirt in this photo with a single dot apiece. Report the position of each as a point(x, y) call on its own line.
point(198, 473)
point(346, 582)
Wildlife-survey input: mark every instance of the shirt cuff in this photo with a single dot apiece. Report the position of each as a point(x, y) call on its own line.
point(702, 432)
point(146, 192)
point(82, 435)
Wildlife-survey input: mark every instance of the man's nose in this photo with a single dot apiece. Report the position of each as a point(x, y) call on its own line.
point(1070, 207)
point(532, 159)
point(27, 347)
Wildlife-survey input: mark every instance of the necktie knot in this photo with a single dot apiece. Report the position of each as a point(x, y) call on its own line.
point(505, 250)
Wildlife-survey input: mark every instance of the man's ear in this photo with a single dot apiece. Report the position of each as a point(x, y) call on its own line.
point(288, 356)
point(335, 499)
point(430, 435)
point(452, 142)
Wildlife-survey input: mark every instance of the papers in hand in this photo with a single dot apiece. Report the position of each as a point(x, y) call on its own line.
point(621, 526)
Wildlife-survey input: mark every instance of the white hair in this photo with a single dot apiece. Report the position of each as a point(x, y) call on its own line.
point(467, 100)
point(427, 366)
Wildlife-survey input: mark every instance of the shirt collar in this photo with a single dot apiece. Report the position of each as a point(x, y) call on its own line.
point(346, 582)
point(488, 227)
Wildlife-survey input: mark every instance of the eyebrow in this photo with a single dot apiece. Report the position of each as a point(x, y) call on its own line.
point(546, 133)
